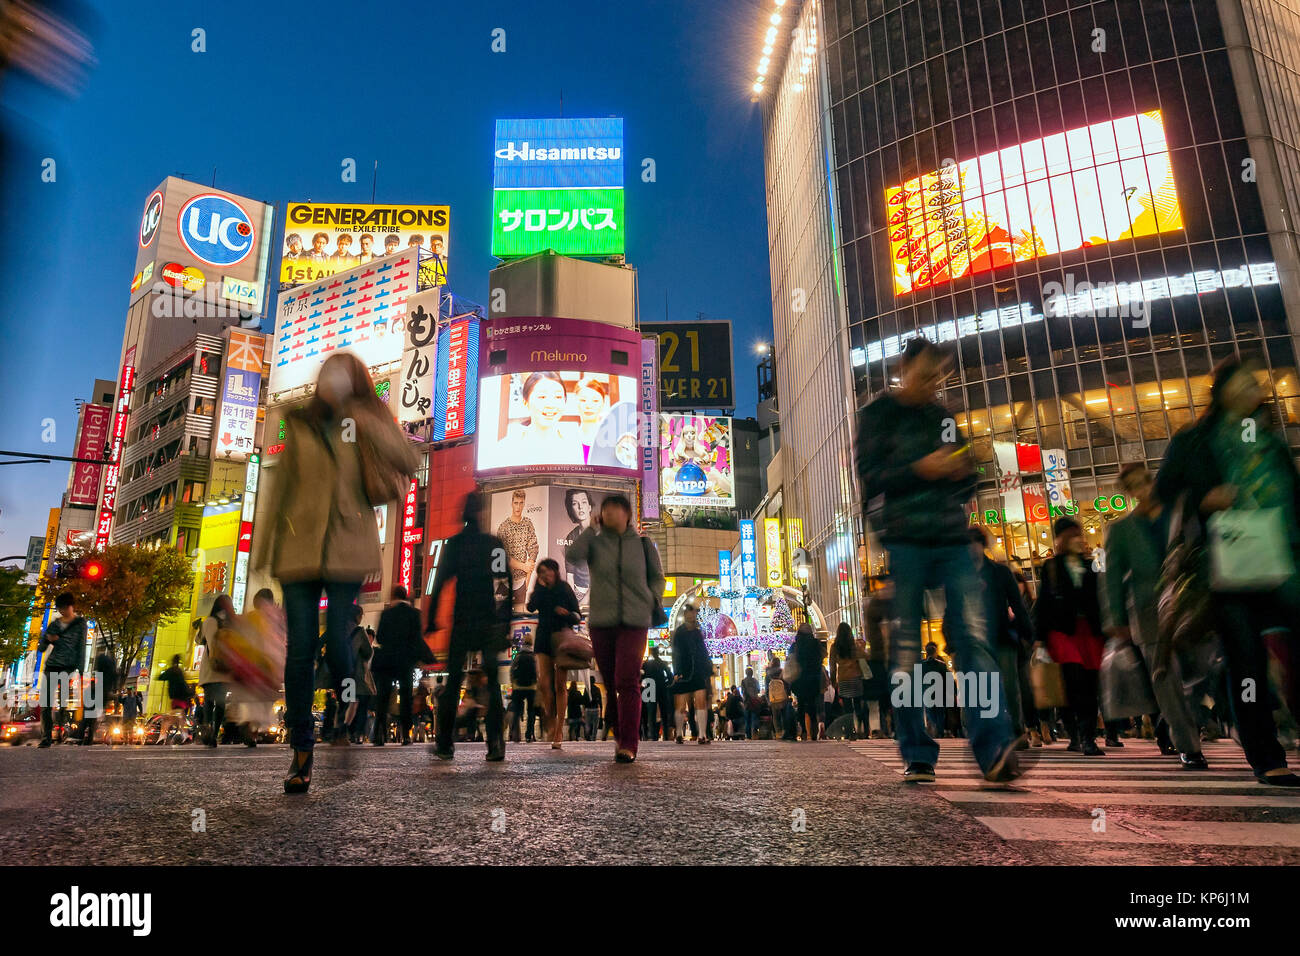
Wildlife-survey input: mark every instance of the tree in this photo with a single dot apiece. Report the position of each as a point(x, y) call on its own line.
point(130, 591)
point(15, 608)
point(782, 619)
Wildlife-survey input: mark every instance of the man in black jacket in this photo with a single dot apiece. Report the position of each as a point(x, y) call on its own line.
point(64, 645)
point(915, 469)
point(401, 647)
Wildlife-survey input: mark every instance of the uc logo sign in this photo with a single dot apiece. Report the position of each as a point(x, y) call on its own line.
point(149, 221)
point(216, 229)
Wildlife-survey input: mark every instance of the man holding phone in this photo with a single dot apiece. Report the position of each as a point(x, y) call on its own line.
point(917, 477)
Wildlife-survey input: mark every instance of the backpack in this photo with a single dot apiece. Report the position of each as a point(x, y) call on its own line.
point(523, 671)
point(776, 691)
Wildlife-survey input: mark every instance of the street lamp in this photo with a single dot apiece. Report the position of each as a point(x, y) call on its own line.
point(801, 573)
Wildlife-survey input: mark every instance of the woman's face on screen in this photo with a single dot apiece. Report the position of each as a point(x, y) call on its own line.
point(546, 402)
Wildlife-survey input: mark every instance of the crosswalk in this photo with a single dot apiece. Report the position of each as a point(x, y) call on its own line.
point(1133, 795)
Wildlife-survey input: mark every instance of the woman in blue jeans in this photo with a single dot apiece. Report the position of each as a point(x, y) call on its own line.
point(323, 537)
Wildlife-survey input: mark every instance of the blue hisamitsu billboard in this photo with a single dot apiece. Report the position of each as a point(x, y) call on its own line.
point(558, 154)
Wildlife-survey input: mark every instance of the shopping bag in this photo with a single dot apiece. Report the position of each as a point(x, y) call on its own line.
point(1125, 687)
point(252, 651)
point(1248, 550)
point(572, 650)
point(1047, 683)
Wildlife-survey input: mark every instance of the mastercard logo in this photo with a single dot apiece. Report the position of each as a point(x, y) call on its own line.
point(187, 277)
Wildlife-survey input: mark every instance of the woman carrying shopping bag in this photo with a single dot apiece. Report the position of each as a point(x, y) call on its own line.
point(1236, 481)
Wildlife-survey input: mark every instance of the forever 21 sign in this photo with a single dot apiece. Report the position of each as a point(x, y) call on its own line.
point(694, 364)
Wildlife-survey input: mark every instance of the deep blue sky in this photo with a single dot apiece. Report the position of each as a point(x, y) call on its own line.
point(286, 91)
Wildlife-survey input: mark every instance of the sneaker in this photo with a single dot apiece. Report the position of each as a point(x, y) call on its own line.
point(1007, 767)
point(1194, 761)
point(919, 773)
point(1281, 777)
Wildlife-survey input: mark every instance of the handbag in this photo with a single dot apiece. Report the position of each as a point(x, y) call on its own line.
point(658, 616)
point(1182, 599)
point(1125, 688)
point(1047, 681)
point(572, 650)
point(384, 480)
point(1248, 550)
point(791, 668)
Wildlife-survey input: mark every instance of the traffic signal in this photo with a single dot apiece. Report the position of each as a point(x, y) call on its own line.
point(92, 569)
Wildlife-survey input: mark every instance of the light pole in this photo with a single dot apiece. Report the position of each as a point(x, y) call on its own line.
point(801, 573)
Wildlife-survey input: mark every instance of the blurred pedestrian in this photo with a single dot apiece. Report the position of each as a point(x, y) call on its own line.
point(61, 646)
point(99, 695)
point(692, 668)
point(400, 649)
point(477, 562)
point(556, 607)
point(523, 693)
point(322, 536)
point(753, 701)
point(1233, 459)
point(1068, 626)
point(627, 586)
point(179, 694)
point(213, 677)
point(914, 461)
point(591, 710)
point(808, 653)
point(849, 670)
point(662, 711)
point(363, 682)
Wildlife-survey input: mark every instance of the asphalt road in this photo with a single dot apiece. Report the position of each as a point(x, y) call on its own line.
point(739, 802)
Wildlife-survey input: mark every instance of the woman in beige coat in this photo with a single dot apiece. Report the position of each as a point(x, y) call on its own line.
point(323, 535)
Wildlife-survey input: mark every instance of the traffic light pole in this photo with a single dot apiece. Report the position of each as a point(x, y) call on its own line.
point(32, 458)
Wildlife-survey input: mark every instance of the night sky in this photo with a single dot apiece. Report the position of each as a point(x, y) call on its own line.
point(287, 91)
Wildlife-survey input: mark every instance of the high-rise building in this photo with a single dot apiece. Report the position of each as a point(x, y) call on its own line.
point(1089, 204)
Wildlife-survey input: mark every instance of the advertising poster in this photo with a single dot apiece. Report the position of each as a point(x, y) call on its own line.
point(695, 461)
point(649, 440)
point(558, 184)
point(419, 357)
point(519, 519)
point(362, 310)
point(236, 426)
point(84, 489)
point(560, 396)
point(324, 239)
point(772, 551)
point(455, 402)
point(1083, 187)
point(571, 511)
point(695, 368)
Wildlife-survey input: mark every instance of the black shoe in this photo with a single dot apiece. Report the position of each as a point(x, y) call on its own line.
point(1168, 750)
point(1279, 780)
point(919, 773)
point(442, 754)
point(1194, 761)
point(378, 743)
point(496, 754)
point(43, 743)
point(299, 778)
point(1007, 767)
point(624, 756)
point(1114, 742)
point(1074, 747)
point(1090, 749)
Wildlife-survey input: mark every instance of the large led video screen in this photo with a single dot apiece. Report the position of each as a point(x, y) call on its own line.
point(559, 396)
point(1083, 187)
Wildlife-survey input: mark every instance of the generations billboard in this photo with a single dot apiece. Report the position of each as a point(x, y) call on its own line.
point(324, 239)
point(560, 396)
point(694, 364)
point(558, 184)
point(241, 384)
point(695, 461)
point(362, 310)
point(538, 522)
point(1083, 187)
point(201, 239)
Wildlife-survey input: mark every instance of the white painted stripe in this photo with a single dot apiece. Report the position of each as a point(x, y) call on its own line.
point(1184, 832)
point(1236, 801)
point(1156, 785)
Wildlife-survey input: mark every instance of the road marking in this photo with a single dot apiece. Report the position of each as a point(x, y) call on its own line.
point(1235, 801)
point(1191, 832)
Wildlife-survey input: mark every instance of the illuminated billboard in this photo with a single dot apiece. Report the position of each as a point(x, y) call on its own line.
point(91, 442)
point(324, 239)
point(695, 458)
point(362, 310)
point(455, 396)
point(558, 395)
point(558, 184)
point(1083, 187)
point(241, 383)
point(204, 236)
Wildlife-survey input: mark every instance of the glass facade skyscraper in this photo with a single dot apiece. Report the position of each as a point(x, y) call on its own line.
point(1088, 203)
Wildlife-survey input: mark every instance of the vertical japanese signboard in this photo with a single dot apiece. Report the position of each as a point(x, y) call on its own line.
point(241, 383)
point(748, 554)
point(455, 406)
point(649, 429)
point(90, 444)
point(415, 401)
point(244, 545)
point(126, 385)
point(772, 551)
point(411, 536)
point(724, 578)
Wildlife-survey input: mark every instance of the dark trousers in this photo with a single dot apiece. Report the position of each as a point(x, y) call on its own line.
point(384, 680)
point(1081, 692)
point(302, 618)
point(619, 651)
point(1241, 619)
point(357, 729)
point(450, 698)
point(55, 689)
point(214, 706)
point(523, 702)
